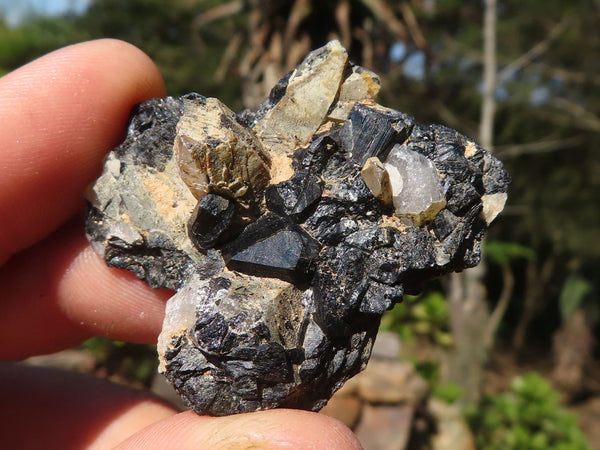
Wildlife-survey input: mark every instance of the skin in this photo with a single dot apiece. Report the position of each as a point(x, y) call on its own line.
point(60, 115)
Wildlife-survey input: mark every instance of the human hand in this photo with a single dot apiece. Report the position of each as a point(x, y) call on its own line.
point(60, 115)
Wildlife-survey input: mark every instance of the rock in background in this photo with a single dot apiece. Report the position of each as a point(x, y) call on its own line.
point(389, 406)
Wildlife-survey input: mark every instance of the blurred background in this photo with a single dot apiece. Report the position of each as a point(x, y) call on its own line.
point(501, 356)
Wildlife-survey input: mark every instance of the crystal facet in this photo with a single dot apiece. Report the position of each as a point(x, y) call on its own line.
point(287, 230)
point(416, 188)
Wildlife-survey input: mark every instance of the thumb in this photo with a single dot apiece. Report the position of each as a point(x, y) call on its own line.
point(273, 429)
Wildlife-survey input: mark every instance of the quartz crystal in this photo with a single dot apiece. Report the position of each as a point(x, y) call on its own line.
point(416, 187)
point(287, 230)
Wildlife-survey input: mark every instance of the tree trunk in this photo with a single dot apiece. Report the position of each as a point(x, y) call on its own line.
point(468, 305)
point(488, 106)
point(537, 279)
point(468, 318)
point(572, 349)
point(508, 287)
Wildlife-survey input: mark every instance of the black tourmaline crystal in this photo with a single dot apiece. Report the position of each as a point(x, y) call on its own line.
point(212, 216)
point(372, 132)
point(287, 230)
point(294, 197)
point(273, 246)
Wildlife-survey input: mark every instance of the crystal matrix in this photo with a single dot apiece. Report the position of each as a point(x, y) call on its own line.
point(287, 230)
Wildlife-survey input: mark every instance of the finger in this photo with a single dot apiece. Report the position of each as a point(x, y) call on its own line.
point(272, 429)
point(60, 115)
point(59, 293)
point(47, 408)
point(76, 411)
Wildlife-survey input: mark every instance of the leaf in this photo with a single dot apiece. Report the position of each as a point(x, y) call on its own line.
point(527, 416)
point(449, 392)
point(502, 253)
point(573, 292)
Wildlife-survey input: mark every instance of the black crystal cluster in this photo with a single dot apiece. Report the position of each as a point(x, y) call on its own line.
point(336, 241)
point(280, 311)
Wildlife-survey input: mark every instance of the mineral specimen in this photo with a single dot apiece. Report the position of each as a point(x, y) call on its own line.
point(287, 230)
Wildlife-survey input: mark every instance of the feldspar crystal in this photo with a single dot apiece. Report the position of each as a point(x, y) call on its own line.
point(376, 177)
point(287, 230)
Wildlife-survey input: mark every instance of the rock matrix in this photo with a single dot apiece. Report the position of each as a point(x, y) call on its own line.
point(287, 230)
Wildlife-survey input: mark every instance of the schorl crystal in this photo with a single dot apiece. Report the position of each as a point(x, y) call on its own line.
point(288, 230)
point(273, 246)
point(370, 131)
point(211, 218)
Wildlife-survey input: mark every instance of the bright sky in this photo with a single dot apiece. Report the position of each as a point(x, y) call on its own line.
point(14, 10)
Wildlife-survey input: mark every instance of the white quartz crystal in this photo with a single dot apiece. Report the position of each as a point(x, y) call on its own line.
point(416, 188)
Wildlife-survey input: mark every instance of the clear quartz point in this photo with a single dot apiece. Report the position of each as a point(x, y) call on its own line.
point(416, 188)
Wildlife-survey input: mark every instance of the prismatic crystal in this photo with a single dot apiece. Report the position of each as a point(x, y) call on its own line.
point(287, 230)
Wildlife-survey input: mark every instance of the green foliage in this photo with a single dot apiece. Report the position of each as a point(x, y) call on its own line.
point(135, 363)
point(97, 346)
point(34, 37)
point(526, 417)
point(502, 253)
point(425, 315)
point(187, 57)
point(572, 294)
point(449, 392)
point(429, 370)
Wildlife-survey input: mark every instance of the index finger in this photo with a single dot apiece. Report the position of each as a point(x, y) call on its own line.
point(60, 115)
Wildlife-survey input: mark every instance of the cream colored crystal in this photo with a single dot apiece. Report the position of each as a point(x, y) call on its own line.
point(493, 204)
point(217, 154)
point(377, 180)
point(362, 86)
point(266, 299)
point(311, 89)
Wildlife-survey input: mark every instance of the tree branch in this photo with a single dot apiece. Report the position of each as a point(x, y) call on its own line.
point(218, 12)
point(300, 10)
point(386, 15)
point(500, 309)
point(454, 121)
point(546, 146)
point(583, 116)
point(342, 17)
point(228, 55)
point(567, 76)
point(413, 26)
point(534, 52)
